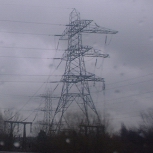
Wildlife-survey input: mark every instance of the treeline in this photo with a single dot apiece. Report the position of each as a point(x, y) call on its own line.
point(82, 138)
point(125, 141)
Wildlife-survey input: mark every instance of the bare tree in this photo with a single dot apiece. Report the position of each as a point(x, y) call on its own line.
point(75, 119)
point(1, 123)
point(10, 115)
point(147, 118)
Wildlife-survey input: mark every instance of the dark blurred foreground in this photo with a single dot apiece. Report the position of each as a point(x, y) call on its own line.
point(82, 138)
point(13, 152)
point(71, 141)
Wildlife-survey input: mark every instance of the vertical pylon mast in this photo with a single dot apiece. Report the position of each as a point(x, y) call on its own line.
point(47, 111)
point(75, 79)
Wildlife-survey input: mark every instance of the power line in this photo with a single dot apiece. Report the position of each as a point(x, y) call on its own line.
point(48, 58)
point(33, 111)
point(31, 22)
point(36, 110)
point(131, 101)
point(129, 84)
point(36, 92)
point(129, 96)
point(31, 75)
point(24, 33)
point(29, 33)
point(57, 81)
point(42, 6)
point(131, 79)
point(106, 100)
point(27, 101)
point(41, 103)
point(7, 108)
point(20, 81)
point(5, 81)
point(33, 48)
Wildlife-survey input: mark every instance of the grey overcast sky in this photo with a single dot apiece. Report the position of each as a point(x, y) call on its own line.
point(27, 46)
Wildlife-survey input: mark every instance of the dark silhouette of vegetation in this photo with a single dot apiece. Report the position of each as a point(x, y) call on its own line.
point(73, 140)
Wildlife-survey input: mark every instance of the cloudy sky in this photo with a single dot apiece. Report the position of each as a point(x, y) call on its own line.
point(28, 48)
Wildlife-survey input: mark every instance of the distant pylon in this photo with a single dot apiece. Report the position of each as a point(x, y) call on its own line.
point(47, 111)
point(75, 78)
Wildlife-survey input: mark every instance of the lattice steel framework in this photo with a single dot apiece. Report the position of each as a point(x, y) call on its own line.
point(47, 111)
point(76, 79)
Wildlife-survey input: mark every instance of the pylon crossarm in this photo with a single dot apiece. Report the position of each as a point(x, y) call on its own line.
point(74, 28)
point(95, 53)
point(97, 29)
point(79, 78)
point(73, 52)
point(86, 51)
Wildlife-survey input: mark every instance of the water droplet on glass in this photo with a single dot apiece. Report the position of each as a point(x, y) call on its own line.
point(115, 67)
point(95, 45)
point(2, 70)
point(1, 83)
point(16, 144)
point(92, 63)
point(142, 135)
point(151, 38)
point(141, 22)
point(68, 140)
point(121, 74)
point(51, 65)
point(1, 143)
point(117, 91)
point(1, 42)
point(124, 64)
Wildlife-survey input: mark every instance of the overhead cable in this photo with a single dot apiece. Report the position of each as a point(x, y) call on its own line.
point(31, 22)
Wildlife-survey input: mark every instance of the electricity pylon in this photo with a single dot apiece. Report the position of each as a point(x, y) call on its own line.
point(75, 78)
point(47, 111)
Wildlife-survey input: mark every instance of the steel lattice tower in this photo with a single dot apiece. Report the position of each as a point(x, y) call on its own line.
point(75, 79)
point(47, 111)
